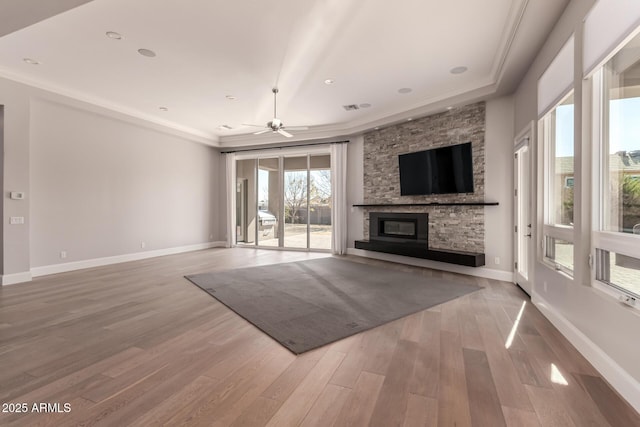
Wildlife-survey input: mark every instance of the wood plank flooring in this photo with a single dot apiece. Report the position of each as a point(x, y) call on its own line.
point(136, 344)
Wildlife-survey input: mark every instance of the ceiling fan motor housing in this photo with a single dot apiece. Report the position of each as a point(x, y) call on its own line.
point(275, 124)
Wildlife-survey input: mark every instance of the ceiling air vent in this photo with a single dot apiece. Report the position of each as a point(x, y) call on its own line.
point(351, 107)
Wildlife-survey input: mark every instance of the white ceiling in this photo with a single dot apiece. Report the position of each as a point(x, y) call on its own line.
point(208, 49)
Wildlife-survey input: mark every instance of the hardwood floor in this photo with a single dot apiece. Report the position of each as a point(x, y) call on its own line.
point(136, 344)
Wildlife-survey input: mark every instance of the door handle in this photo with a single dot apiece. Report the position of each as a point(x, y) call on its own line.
point(528, 235)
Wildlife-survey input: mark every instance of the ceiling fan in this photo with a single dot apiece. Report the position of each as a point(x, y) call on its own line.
point(276, 125)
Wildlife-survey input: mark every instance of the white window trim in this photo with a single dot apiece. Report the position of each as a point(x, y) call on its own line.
point(549, 160)
point(561, 232)
point(565, 233)
point(287, 152)
point(619, 243)
point(549, 229)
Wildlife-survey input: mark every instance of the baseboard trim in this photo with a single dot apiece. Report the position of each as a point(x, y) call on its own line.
point(12, 279)
point(487, 273)
point(620, 380)
point(99, 262)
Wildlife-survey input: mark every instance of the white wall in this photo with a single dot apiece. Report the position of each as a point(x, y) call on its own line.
point(99, 183)
point(2, 186)
point(498, 183)
point(16, 177)
point(100, 187)
point(601, 328)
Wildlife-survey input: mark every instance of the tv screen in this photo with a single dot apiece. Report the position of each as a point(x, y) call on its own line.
point(442, 170)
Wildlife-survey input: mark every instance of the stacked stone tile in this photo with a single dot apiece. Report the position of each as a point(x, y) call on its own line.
point(450, 227)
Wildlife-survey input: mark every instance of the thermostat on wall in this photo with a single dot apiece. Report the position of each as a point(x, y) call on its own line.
point(17, 195)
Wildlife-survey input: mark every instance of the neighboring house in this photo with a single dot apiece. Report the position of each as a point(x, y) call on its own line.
point(623, 166)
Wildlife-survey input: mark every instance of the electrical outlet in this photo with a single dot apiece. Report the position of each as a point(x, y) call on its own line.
point(16, 220)
point(143, 245)
point(496, 260)
point(63, 254)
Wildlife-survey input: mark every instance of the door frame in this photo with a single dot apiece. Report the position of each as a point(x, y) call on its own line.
point(281, 153)
point(523, 215)
point(241, 210)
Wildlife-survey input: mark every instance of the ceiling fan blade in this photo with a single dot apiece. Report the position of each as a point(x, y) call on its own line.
point(255, 126)
point(297, 127)
point(285, 133)
point(262, 131)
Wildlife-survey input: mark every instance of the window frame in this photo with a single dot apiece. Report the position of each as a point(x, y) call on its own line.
point(601, 238)
point(550, 229)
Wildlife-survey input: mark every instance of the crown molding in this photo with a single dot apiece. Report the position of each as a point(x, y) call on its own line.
point(429, 107)
point(82, 100)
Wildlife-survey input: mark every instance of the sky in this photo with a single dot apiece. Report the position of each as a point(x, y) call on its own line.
point(624, 132)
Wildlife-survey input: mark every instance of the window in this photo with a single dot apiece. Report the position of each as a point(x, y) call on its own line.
point(558, 143)
point(617, 157)
point(559, 252)
point(568, 182)
point(619, 271)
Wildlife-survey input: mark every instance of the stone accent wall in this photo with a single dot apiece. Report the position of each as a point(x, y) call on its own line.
point(450, 227)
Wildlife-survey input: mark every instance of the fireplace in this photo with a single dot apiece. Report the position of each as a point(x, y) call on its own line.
point(405, 228)
point(406, 234)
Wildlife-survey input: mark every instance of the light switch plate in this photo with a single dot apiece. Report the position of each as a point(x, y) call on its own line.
point(17, 195)
point(16, 220)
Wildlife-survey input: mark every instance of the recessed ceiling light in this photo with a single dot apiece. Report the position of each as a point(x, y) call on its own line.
point(449, 108)
point(365, 105)
point(409, 119)
point(376, 128)
point(231, 97)
point(147, 52)
point(225, 127)
point(404, 90)
point(329, 81)
point(113, 35)
point(458, 70)
point(163, 108)
point(31, 61)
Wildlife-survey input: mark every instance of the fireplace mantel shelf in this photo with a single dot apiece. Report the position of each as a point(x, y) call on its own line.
point(376, 205)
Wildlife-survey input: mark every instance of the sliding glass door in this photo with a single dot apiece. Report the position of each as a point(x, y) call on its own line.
point(296, 202)
point(268, 201)
point(320, 202)
point(246, 208)
point(284, 201)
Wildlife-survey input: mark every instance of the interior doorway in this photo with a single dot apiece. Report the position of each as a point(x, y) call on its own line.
point(523, 226)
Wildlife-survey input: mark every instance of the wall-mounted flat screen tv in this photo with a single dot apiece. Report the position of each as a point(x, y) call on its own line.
point(442, 170)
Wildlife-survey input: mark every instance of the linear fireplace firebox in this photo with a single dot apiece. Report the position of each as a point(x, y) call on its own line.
point(406, 234)
point(406, 228)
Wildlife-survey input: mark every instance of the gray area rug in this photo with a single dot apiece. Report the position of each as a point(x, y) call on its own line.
point(307, 304)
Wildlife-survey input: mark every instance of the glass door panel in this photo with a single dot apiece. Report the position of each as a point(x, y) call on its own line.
point(320, 202)
point(268, 201)
point(296, 197)
point(246, 202)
